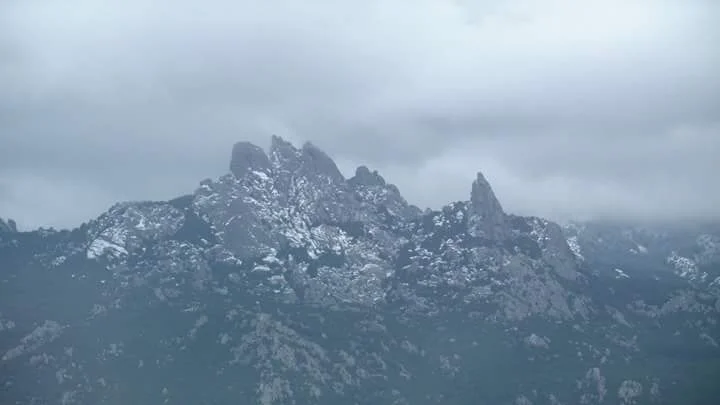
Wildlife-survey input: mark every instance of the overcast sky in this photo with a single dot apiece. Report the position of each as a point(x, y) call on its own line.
point(572, 109)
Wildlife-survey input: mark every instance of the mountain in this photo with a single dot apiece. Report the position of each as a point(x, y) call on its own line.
point(283, 282)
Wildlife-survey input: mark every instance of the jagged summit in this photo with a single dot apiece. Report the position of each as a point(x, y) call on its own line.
point(283, 154)
point(310, 169)
point(283, 159)
point(365, 177)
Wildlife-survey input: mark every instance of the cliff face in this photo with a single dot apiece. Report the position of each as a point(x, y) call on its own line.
point(283, 282)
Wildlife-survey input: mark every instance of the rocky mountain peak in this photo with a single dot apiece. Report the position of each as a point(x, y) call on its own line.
point(316, 161)
point(283, 153)
point(482, 196)
point(309, 160)
point(247, 157)
point(487, 216)
point(363, 176)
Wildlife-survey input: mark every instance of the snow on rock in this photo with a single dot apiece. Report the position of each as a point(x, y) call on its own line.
point(124, 227)
point(621, 274)
point(100, 247)
point(575, 247)
point(58, 261)
point(686, 267)
point(630, 391)
point(536, 341)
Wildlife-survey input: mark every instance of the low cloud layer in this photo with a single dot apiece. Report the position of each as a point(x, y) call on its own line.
point(571, 109)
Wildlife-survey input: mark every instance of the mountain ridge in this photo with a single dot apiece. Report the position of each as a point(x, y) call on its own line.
point(283, 282)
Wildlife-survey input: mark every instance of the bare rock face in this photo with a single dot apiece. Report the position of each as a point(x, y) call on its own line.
point(372, 190)
point(365, 177)
point(247, 158)
point(296, 199)
point(283, 154)
point(308, 161)
point(318, 163)
point(487, 218)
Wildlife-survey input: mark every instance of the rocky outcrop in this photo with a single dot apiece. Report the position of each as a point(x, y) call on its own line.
point(363, 176)
point(9, 226)
point(247, 158)
point(487, 218)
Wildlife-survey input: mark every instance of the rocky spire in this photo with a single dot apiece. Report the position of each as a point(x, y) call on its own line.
point(309, 160)
point(487, 218)
point(283, 155)
point(315, 161)
point(483, 198)
point(247, 157)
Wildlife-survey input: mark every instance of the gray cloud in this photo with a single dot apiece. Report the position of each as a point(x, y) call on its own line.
point(572, 109)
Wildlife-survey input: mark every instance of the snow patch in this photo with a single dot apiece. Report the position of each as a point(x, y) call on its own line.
point(100, 247)
point(575, 247)
point(261, 175)
point(537, 341)
point(621, 274)
point(716, 282)
point(686, 267)
point(58, 261)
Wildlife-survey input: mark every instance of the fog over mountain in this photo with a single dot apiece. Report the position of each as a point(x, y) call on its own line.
point(334, 202)
point(572, 110)
point(284, 282)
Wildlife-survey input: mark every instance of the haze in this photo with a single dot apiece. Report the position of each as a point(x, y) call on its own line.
point(572, 110)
